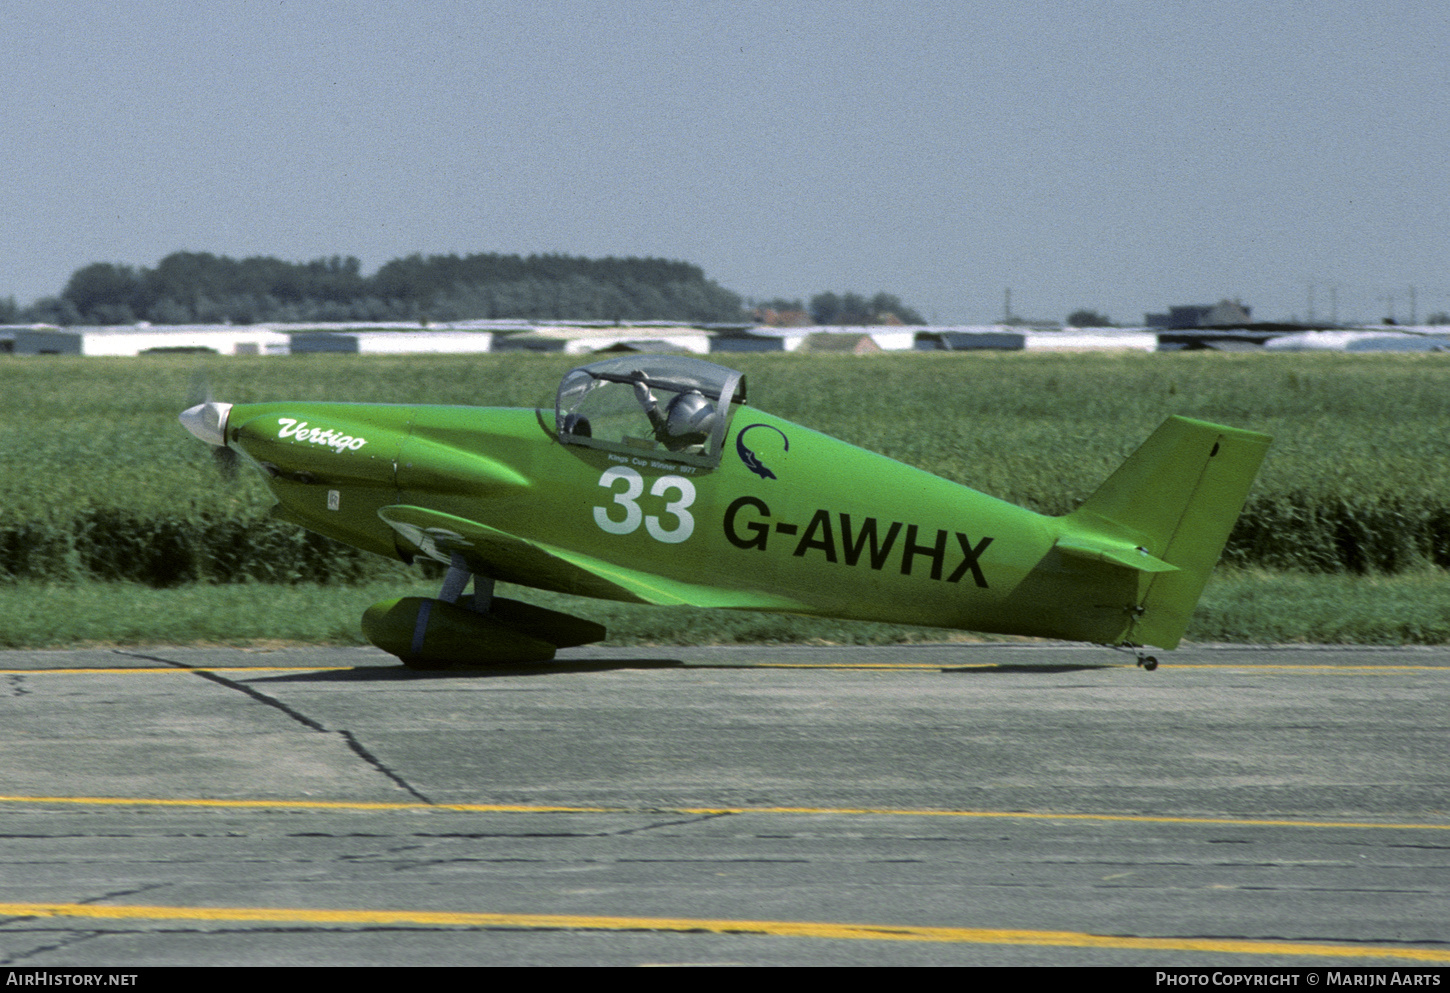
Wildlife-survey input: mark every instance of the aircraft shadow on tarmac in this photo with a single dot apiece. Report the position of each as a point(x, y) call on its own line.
point(1043, 669)
point(398, 673)
point(371, 674)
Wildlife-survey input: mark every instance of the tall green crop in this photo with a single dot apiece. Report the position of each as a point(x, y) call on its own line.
point(97, 479)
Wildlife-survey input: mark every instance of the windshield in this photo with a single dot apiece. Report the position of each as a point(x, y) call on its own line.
point(669, 406)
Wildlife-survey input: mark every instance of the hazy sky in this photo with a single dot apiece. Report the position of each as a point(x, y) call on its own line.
point(1120, 156)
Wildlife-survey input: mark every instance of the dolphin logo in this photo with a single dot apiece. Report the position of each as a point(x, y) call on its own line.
point(748, 457)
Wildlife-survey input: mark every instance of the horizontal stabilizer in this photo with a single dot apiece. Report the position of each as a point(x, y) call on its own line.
point(1134, 557)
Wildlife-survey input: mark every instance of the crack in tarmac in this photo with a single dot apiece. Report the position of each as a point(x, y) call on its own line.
point(664, 824)
point(347, 736)
point(76, 938)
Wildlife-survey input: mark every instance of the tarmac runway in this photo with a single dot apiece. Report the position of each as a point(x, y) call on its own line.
point(1002, 804)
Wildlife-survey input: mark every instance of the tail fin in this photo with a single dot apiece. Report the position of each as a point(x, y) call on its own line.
point(1176, 499)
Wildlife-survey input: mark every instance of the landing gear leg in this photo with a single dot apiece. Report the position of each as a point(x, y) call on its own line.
point(456, 630)
point(456, 581)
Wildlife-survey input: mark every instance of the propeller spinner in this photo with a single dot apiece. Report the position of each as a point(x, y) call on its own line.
point(208, 421)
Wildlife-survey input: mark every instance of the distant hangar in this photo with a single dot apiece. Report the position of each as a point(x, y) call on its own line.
point(587, 338)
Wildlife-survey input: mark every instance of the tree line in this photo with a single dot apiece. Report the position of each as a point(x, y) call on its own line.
point(202, 288)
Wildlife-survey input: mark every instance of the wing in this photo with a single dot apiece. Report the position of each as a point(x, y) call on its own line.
point(512, 559)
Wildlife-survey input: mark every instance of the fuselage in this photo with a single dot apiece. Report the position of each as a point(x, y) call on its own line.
point(828, 527)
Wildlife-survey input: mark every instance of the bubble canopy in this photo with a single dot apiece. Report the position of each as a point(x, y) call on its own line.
point(616, 404)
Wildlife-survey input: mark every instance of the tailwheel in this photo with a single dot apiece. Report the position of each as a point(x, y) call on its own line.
point(1144, 661)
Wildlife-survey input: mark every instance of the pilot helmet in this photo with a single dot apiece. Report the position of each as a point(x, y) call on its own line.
point(690, 415)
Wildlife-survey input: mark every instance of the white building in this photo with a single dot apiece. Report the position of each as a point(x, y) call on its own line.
point(1429, 339)
point(381, 342)
point(577, 340)
point(221, 339)
point(1090, 340)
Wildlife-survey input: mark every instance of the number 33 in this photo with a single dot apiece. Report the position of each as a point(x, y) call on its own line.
point(633, 514)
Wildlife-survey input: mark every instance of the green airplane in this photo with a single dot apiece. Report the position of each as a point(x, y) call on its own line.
point(653, 482)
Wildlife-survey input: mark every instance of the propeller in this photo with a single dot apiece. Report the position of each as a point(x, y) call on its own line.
point(207, 419)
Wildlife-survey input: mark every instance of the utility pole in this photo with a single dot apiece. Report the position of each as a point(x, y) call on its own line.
point(1007, 307)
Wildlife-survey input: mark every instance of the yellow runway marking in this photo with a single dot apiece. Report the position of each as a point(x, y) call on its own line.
point(503, 808)
point(789, 929)
point(1048, 666)
point(828, 665)
point(138, 670)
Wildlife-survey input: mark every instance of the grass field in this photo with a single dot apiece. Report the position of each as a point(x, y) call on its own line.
point(1345, 537)
point(1239, 606)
